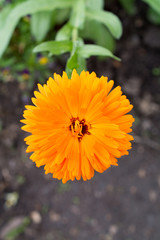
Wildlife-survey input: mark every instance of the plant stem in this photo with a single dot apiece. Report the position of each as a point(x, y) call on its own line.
point(75, 34)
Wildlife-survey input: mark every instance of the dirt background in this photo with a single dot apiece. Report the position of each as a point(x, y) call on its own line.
point(123, 203)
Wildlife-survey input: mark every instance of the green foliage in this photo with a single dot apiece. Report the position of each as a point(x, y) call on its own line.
point(129, 6)
point(75, 60)
point(23, 9)
point(1, 1)
point(81, 64)
point(4, 13)
point(101, 36)
point(153, 13)
point(54, 47)
point(110, 20)
point(75, 20)
point(20, 63)
point(64, 33)
point(40, 24)
point(61, 15)
point(154, 4)
point(156, 71)
point(89, 50)
point(1, 125)
point(153, 16)
point(13, 234)
point(78, 14)
point(95, 4)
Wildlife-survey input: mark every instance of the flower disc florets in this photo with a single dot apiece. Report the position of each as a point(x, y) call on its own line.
point(78, 125)
point(79, 128)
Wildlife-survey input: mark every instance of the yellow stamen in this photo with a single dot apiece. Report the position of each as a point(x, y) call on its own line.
point(77, 129)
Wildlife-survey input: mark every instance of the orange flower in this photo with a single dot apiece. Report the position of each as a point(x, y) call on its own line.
point(78, 125)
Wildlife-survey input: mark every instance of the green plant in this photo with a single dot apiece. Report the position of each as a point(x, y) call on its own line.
point(153, 12)
point(77, 20)
point(129, 6)
point(14, 233)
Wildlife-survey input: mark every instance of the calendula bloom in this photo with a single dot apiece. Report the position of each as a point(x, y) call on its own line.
point(78, 125)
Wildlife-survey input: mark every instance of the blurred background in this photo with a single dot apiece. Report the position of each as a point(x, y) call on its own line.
point(123, 203)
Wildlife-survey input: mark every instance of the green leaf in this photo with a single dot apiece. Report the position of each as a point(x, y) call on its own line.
point(153, 16)
point(155, 4)
point(7, 62)
point(98, 33)
point(73, 60)
point(40, 24)
point(105, 39)
point(81, 65)
point(95, 4)
point(129, 6)
point(64, 33)
point(23, 9)
point(1, 2)
point(76, 61)
point(54, 47)
point(62, 15)
point(89, 50)
point(110, 20)
point(5, 12)
point(78, 14)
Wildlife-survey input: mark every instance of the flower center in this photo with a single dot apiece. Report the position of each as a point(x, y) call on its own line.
point(79, 128)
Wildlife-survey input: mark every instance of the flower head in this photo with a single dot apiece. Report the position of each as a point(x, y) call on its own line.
point(78, 125)
point(43, 60)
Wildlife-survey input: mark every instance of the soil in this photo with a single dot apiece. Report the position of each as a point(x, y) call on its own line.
point(123, 203)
